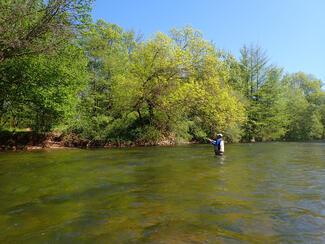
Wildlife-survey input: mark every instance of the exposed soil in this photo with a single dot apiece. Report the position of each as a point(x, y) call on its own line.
point(28, 140)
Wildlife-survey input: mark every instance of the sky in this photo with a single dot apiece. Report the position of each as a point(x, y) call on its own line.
point(291, 31)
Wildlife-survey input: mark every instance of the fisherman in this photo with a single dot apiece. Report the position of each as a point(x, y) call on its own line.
point(219, 147)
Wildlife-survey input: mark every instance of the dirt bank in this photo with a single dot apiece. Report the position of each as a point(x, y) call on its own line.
point(28, 140)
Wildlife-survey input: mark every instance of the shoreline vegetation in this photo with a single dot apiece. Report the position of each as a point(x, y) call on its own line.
point(28, 140)
point(79, 83)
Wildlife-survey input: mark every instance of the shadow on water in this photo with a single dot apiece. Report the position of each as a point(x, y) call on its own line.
point(268, 192)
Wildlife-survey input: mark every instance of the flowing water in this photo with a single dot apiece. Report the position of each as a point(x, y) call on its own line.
point(255, 193)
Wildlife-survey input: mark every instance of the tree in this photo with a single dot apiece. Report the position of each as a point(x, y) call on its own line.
point(40, 61)
point(42, 89)
point(255, 68)
point(34, 27)
point(271, 108)
point(266, 107)
point(173, 84)
point(305, 107)
point(107, 47)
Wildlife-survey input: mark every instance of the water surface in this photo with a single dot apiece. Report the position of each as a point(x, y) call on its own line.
point(255, 193)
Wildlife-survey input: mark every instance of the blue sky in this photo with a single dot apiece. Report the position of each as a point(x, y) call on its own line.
point(291, 31)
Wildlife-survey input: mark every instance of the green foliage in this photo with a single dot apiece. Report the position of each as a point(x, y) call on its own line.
point(261, 83)
point(278, 107)
point(102, 105)
point(38, 27)
point(42, 89)
point(169, 88)
point(41, 67)
point(102, 83)
point(305, 107)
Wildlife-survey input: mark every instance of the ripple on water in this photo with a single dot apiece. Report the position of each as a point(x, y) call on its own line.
point(256, 193)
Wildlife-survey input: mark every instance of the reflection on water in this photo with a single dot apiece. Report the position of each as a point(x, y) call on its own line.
point(262, 193)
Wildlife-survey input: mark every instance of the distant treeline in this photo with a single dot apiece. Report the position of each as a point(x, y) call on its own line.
point(61, 71)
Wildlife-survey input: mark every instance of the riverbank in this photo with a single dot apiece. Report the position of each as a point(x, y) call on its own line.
point(28, 140)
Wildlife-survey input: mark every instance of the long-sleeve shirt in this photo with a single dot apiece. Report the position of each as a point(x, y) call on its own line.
point(219, 144)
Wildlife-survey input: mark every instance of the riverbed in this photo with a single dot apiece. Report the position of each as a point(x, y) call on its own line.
point(260, 193)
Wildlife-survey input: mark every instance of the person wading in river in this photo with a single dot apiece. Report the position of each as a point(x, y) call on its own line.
point(218, 144)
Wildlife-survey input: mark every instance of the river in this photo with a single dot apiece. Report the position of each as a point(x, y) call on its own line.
point(255, 193)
